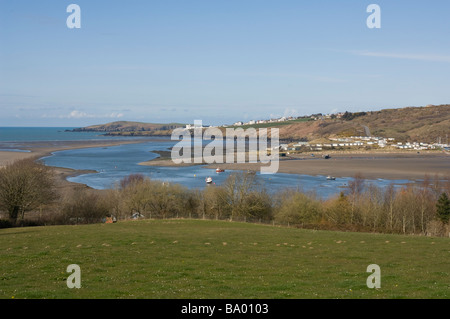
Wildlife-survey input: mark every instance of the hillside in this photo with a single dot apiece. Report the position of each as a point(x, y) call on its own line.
point(425, 124)
point(131, 128)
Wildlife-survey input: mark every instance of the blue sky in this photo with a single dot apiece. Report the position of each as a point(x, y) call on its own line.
point(218, 61)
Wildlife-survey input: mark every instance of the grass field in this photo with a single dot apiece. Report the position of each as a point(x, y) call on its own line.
point(217, 259)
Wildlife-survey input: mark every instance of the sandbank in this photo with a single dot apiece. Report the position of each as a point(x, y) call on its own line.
point(411, 165)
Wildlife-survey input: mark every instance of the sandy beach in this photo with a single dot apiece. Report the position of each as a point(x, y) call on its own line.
point(371, 165)
point(41, 149)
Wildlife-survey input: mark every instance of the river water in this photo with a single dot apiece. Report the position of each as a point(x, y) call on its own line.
point(115, 162)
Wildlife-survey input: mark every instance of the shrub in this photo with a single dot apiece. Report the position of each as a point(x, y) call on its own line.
point(84, 206)
point(298, 208)
point(338, 210)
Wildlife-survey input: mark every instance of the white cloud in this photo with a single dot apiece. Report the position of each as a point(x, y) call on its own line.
point(76, 114)
point(290, 112)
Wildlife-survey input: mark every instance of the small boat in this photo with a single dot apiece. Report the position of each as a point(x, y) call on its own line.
point(219, 170)
point(208, 180)
point(331, 178)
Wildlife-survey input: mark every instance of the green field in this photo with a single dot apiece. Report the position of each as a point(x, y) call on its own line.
point(217, 259)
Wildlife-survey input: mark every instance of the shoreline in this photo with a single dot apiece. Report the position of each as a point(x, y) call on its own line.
point(370, 164)
point(43, 149)
point(390, 165)
point(39, 150)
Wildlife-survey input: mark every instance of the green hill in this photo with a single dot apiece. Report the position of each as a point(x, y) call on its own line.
point(217, 259)
point(131, 128)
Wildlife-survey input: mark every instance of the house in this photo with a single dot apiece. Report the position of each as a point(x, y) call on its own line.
point(299, 145)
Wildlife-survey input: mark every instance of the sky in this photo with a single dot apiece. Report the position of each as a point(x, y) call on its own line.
point(219, 61)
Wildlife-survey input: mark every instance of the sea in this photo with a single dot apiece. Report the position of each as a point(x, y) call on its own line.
point(113, 163)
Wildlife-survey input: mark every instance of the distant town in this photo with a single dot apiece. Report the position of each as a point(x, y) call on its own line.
point(352, 142)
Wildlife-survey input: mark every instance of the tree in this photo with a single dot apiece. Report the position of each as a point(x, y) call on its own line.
point(214, 202)
point(24, 186)
point(238, 188)
point(298, 208)
point(355, 189)
point(443, 208)
point(85, 206)
point(131, 179)
point(338, 210)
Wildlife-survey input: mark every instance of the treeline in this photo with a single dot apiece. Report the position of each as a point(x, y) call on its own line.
point(413, 209)
point(348, 116)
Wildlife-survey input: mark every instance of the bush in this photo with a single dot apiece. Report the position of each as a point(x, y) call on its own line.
point(153, 199)
point(298, 208)
point(84, 206)
point(436, 228)
point(338, 210)
point(244, 197)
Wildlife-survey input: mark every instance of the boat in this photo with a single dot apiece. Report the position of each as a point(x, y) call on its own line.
point(208, 180)
point(331, 178)
point(219, 170)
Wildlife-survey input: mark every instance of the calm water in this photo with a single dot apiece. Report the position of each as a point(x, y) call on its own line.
point(115, 162)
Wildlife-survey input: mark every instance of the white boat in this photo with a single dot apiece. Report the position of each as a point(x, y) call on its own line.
point(331, 178)
point(208, 180)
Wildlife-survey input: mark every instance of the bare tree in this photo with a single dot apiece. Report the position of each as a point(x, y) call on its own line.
point(355, 188)
point(238, 187)
point(84, 206)
point(389, 202)
point(24, 186)
point(214, 203)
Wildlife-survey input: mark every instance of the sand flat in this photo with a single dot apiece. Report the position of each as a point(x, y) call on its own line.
point(371, 165)
point(387, 165)
point(41, 149)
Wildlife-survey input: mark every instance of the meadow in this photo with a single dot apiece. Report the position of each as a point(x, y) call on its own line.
point(184, 258)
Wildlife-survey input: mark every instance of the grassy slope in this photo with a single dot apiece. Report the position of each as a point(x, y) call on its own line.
point(217, 259)
point(405, 124)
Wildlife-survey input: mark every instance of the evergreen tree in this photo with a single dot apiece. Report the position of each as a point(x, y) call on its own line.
point(443, 208)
